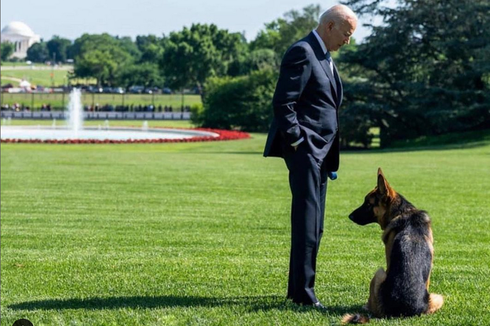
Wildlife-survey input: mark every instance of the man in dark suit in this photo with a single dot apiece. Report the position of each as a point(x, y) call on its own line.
point(305, 133)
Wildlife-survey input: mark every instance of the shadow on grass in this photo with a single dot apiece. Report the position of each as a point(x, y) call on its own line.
point(462, 140)
point(250, 303)
point(415, 148)
point(258, 153)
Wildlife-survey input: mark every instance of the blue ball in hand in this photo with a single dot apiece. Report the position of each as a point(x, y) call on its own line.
point(332, 175)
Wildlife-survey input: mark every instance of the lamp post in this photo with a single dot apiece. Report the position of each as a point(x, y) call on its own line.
point(52, 69)
point(182, 105)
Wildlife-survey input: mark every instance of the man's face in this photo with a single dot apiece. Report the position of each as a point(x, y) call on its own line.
point(339, 34)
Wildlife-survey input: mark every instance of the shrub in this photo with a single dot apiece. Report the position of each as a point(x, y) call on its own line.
point(242, 103)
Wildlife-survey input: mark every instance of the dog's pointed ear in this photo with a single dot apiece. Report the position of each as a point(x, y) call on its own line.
point(383, 185)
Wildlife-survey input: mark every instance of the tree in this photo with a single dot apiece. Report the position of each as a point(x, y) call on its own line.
point(127, 45)
point(38, 52)
point(6, 49)
point(98, 64)
point(150, 48)
point(57, 48)
point(197, 53)
point(101, 57)
point(144, 74)
point(281, 33)
point(425, 71)
point(239, 102)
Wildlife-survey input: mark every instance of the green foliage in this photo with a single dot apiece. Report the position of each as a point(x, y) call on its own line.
point(6, 50)
point(195, 54)
point(425, 71)
point(97, 64)
point(255, 60)
point(281, 33)
point(38, 52)
point(197, 110)
point(261, 59)
point(150, 48)
point(58, 48)
point(239, 103)
point(144, 74)
point(101, 57)
point(128, 46)
point(356, 126)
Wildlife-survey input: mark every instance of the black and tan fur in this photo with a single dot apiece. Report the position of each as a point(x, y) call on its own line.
point(403, 289)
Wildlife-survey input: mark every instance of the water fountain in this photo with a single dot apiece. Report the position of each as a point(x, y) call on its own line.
point(75, 112)
point(74, 131)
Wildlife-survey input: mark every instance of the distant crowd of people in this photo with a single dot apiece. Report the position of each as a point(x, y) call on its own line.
point(100, 108)
point(132, 108)
point(15, 107)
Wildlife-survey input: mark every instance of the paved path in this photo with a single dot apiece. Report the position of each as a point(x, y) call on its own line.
point(34, 67)
point(12, 78)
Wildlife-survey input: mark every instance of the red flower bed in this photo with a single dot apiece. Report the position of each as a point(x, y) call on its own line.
point(223, 135)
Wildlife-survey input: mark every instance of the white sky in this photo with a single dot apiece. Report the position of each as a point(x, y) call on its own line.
point(70, 19)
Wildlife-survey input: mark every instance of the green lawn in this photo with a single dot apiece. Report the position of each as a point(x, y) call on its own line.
point(48, 77)
point(43, 77)
point(13, 64)
point(59, 100)
point(198, 234)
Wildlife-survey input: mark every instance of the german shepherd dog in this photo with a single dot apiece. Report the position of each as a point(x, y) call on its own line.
point(403, 289)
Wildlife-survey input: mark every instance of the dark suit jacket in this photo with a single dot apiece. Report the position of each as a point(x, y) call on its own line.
point(306, 103)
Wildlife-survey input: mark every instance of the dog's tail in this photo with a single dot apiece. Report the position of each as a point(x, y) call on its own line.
point(354, 319)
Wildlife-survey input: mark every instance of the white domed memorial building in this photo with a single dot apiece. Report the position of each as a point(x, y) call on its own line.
point(21, 36)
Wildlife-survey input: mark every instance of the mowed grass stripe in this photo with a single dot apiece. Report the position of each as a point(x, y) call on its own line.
point(198, 234)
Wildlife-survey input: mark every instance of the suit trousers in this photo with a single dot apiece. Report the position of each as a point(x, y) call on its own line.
point(308, 183)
